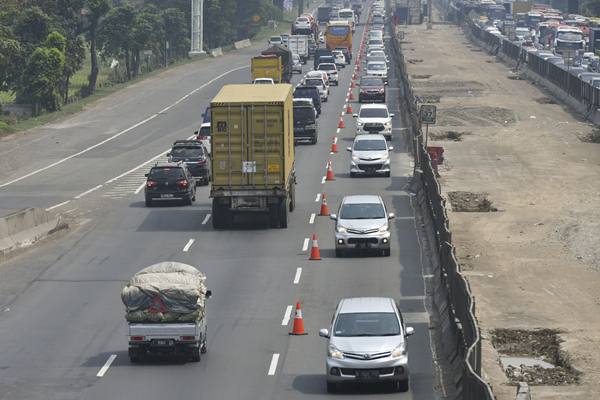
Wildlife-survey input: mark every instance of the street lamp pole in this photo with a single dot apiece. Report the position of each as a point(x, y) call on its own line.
point(197, 28)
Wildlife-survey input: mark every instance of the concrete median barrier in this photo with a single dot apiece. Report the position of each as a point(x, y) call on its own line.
point(26, 227)
point(218, 52)
point(242, 44)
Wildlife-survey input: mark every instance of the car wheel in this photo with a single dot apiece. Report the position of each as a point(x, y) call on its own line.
point(352, 175)
point(332, 387)
point(339, 253)
point(387, 174)
point(403, 386)
point(386, 252)
point(195, 354)
point(148, 201)
point(134, 356)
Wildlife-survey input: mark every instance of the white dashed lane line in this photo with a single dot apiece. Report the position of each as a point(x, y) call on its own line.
point(58, 205)
point(318, 197)
point(206, 219)
point(305, 244)
point(286, 316)
point(188, 245)
point(87, 192)
point(311, 220)
point(273, 366)
point(106, 366)
point(297, 276)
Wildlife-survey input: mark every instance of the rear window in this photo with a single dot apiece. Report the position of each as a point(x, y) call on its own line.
point(376, 66)
point(327, 67)
point(371, 82)
point(204, 131)
point(314, 82)
point(375, 41)
point(304, 114)
point(187, 152)
point(166, 173)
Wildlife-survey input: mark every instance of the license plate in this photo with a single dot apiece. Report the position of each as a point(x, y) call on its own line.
point(166, 196)
point(163, 342)
point(367, 374)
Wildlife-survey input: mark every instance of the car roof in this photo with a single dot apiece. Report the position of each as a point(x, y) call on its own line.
point(358, 138)
point(362, 198)
point(366, 304)
point(375, 62)
point(366, 106)
point(186, 142)
point(168, 165)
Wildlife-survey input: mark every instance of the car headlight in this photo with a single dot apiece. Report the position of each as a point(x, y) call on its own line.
point(358, 123)
point(399, 351)
point(335, 353)
point(355, 158)
point(341, 229)
point(384, 228)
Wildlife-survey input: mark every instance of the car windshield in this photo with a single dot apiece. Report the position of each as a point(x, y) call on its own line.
point(373, 113)
point(327, 67)
point(346, 14)
point(370, 145)
point(377, 53)
point(187, 152)
point(371, 82)
point(314, 82)
point(166, 173)
point(367, 324)
point(362, 211)
point(204, 131)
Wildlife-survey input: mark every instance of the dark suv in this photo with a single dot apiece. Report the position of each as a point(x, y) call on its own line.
point(170, 181)
point(196, 157)
point(305, 124)
point(310, 92)
point(372, 88)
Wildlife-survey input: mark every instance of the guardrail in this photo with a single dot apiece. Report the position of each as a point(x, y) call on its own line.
point(452, 298)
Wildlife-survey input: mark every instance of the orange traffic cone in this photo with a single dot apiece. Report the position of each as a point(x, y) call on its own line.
point(315, 253)
point(324, 209)
point(329, 176)
point(341, 124)
point(349, 106)
point(351, 97)
point(352, 85)
point(334, 145)
point(298, 328)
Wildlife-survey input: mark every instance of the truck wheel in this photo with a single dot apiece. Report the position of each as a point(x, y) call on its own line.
point(218, 216)
point(283, 214)
point(195, 354)
point(134, 356)
point(292, 197)
point(273, 216)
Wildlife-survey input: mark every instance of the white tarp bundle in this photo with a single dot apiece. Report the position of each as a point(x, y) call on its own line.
point(165, 292)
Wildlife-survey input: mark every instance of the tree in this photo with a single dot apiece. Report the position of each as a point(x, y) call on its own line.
point(147, 33)
point(10, 60)
point(96, 10)
point(114, 35)
point(176, 31)
point(31, 27)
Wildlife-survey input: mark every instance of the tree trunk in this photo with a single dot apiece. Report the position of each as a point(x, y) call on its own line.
point(94, 59)
point(66, 90)
point(128, 64)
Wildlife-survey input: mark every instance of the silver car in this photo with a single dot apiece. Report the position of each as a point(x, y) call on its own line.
point(370, 156)
point(296, 63)
point(362, 224)
point(367, 343)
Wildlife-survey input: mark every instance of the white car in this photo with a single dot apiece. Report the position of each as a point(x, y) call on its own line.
point(374, 44)
point(296, 63)
point(302, 23)
point(319, 74)
point(376, 55)
point(332, 72)
point(374, 119)
point(340, 58)
point(263, 81)
point(203, 136)
point(284, 39)
point(378, 68)
point(275, 40)
point(370, 156)
point(375, 34)
point(320, 84)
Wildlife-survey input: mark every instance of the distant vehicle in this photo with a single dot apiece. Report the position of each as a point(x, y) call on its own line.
point(311, 92)
point(321, 52)
point(302, 23)
point(332, 72)
point(170, 181)
point(375, 44)
point(263, 81)
point(338, 34)
point(377, 68)
point(340, 58)
point(195, 156)
point(521, 33)
point(370, 156)
point(179, 292)
point(374, 119)
point(275, 40)
point(298, 44)
point(306, 128)
point(371, 56)
point(362, 225)
point(367, 335)
point(347, 14)
point(375, 34)
point(567, 38)
point(320, 84)
point(319, 74)
point(285, 55)
point(372, 88)
point(345, 52)
point(296, 63)
point(284, 39)
point(323, 14)
point(266, 69)
point(203, 136)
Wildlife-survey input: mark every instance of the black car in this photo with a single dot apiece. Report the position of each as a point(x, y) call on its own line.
point(372, 88)
point(196, 157)
point(306, 128)
point(310, 92)
point(321, 52)
point(326, 60)
point(170, 181)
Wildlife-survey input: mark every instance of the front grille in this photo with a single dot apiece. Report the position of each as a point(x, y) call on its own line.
point(379, 371)
point(366, 167)
point(361, 356)
point(373, 127)
point(362, 241)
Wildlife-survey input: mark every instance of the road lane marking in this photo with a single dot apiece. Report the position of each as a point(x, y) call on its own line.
point(58, 205)
point(318, 197)
point(312, 218)
point(188, 245)
point(135, 168)
point(87, 192)
point(106, 365)
point(286, 316)
point(139, 189)
point(206, 219)
point(305, 244)
point(323, 179)
point(297, 276)
point(273, 366)
point(124, 131)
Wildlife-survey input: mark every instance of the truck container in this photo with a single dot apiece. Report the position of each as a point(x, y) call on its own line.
point(298, 44)
point(252, 153)
point(268, 66)
point(286, 60)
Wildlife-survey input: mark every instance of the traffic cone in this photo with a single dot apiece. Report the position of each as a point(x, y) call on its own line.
point(298, 328)
point(329, 176)
point(341, 124)
point(334, 146)
point(315, 253)
point(349, 106)
point(352, 85)
point(324, 209)
point(351, 97)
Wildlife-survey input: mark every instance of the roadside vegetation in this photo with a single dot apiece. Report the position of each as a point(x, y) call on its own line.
point(54, 53)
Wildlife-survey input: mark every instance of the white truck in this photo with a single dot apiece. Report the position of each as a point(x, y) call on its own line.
point(166, 311)
point(298, 44)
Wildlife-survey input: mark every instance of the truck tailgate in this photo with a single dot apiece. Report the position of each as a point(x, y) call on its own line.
point(151, 331)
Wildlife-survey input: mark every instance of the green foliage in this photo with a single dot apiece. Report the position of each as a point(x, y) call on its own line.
point(42, 77)
point(31, 27)
point(10, 57)
point(57, 41)
point(591, 8)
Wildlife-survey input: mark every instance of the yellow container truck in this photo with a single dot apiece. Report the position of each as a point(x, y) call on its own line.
point(252, 153)
point(267, 66)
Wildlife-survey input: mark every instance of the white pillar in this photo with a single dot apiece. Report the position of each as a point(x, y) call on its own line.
point(197, 27)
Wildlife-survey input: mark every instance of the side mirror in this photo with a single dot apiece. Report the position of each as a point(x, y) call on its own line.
point(392, 115)
point(208, 295)
point(409, 331)
point(348, 148)
point(390, 148)
point(146, 175)
point(354, 115)
point(325, 333)
point(391, 216)
point(333, 217)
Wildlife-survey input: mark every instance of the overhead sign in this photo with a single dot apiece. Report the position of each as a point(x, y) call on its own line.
point(428, 114)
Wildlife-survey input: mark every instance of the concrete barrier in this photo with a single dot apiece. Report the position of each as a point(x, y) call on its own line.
point(241, 44)
point(218, 52)
point(26, 227)
point(523, 392)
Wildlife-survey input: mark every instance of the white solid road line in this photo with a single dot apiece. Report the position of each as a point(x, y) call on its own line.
point(286, 316)
point(58, 205)
point(206, 219)
point(312, 218)
point(318, 197)
point(305, 244)
point(106, 365)
point(136, 168)
point(87, 192)
point(124, 131)
point(323, 179)
point(188, 245)
point(273, 366)
point(297, 276)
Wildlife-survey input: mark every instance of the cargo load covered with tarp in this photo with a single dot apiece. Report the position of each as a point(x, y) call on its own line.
point(165, 292)
point(286, 60)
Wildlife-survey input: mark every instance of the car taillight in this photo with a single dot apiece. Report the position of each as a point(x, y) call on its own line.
point(137, 338)
point(187, 338)
point(201, 162)
point(182, 183)
point(151, 184)
point(199, 138)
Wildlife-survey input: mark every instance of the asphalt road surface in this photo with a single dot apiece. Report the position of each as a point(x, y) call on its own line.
point(61, 321)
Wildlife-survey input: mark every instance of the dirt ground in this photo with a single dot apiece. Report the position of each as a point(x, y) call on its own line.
point(534, 263)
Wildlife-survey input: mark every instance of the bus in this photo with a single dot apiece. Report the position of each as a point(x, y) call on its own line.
point(567, 38)
point(338, 35)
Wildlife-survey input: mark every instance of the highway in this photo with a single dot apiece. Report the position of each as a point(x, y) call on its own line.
point(62, 330)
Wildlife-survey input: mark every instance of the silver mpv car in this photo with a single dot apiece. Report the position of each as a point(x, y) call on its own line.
point(367, 343)
point(370, 156)
point(362, 223)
